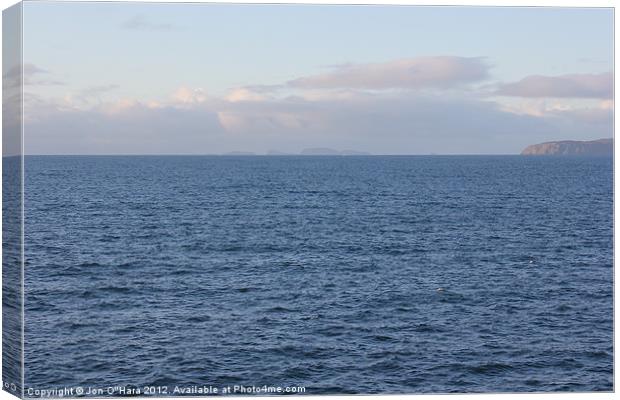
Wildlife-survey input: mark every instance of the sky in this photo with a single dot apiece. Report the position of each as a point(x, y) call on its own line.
point(157, 78)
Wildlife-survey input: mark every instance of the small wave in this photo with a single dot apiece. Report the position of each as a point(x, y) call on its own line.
point(383, 338)
point(199, 318)
point(385, 365)
point(279, 309)
point(598, 354)
point(533, 382)
point(125, 329)
point(427, 328)
point(115, 289)
point(86, 294)
point(77, 326)
point(245, 289)
point(109, 238)
point(490, 368)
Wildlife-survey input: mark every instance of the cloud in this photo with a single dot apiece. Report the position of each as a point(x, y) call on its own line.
point(27, 69)
point(245, 94)
point(17, 84)
point(89, 96)
point(588, 60)
point(184, 95)
point(405, 123)
point(125, 127)
point(412, 73)
point(590, 115)
point(599, 86)
point(358, 110)
point(402, 122)
point(27, 74)
point(140, 22)
point(93, 91)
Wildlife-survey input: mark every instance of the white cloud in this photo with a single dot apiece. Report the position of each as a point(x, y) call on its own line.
point(587, 111)
point(412, 73)
point(607, 104)
point(355, 115)
point(244, 94)
point(185, 95)
point(598, 86)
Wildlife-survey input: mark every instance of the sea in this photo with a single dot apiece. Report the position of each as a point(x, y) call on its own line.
point(318, 274)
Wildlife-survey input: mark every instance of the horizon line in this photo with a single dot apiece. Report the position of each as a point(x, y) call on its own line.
point(258, 154)
point(290, 155)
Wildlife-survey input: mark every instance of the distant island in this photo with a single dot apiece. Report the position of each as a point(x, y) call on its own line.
point(601, 147)
point(324, 151)
point(240, 153)
point(316, 151)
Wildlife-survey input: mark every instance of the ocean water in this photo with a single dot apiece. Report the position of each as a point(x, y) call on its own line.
point(337, 274)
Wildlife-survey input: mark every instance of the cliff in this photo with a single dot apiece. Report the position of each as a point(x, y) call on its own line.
point(601, 147)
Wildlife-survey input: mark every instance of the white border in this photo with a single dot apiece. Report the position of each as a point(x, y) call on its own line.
point(506, 3)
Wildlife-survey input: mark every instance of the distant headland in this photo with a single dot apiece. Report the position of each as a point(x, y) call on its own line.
point(600, 147)
point(318, 151)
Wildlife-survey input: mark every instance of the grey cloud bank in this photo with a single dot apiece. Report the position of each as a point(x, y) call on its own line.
point(30, 74)
point(598, 86)
point(134, 130)
point(396, 124)
point(381, 108)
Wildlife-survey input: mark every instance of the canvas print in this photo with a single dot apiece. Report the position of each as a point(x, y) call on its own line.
point(286, 199)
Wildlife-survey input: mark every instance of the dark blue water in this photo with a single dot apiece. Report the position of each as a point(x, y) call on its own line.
point(321, 272)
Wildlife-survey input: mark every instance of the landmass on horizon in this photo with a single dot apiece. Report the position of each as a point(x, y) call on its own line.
point(314, 151)
point(600, 147)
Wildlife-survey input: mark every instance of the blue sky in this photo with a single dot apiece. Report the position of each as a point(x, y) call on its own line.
point(200, 78)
